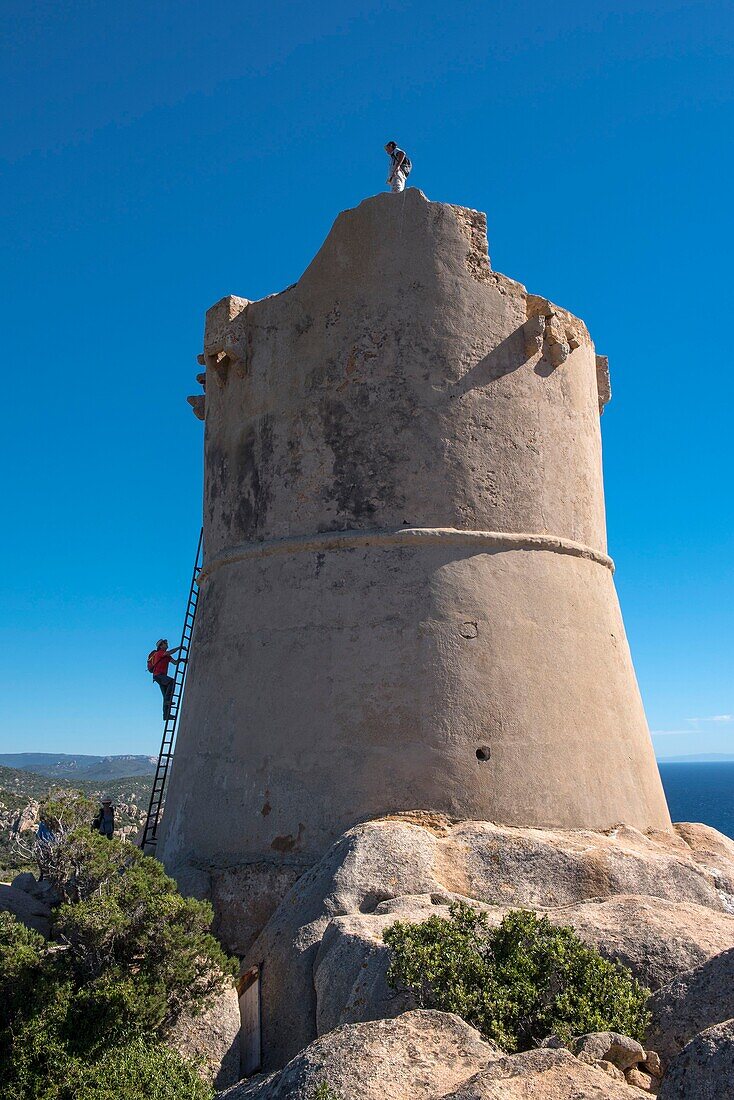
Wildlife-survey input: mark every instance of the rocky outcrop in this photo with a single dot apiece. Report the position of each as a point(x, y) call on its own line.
point(551, 868)
point(31, 911)
point(658, 902)
point(40, 889)
point(367, 865)
point(430, 1056)
point(656, 939)
point(350, 968)
point(426, 1055)
point(641, 1080)
point(543, 1075)
point(419, 1056)
point(714, 853)
point(618, 1056)
point(704, 1069)
point(27, 819)
point(212, 1039)
point(692, 1002)
point(608, 1046)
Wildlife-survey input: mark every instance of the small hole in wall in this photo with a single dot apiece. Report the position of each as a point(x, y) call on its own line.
point(483, 752)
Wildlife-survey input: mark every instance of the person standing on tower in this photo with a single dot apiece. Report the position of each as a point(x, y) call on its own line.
point(158, 662)
point(400, 167)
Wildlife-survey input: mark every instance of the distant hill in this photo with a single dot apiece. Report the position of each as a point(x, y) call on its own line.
point(699, 758)
point(65, 766)
point(24, 785)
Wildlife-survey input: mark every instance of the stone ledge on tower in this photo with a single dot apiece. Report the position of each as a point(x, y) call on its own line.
point(223, 347)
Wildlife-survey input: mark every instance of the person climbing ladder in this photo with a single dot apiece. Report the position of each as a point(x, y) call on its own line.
point(158, 662)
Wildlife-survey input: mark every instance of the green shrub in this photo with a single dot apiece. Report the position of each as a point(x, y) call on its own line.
point(124, 921)
point(22, 959)
point(324, 1091)
point(64, 810)
point(34, 999)
point(139, 1070)
point(518, 983)
point(130, 955)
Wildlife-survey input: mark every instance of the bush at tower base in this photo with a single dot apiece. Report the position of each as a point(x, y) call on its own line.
point(518, 983)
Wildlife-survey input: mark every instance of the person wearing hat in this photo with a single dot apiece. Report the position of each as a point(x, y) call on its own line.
point(158, 662)
point(104, 822)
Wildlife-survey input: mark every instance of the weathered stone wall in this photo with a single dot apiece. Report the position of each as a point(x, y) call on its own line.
point(406, 600)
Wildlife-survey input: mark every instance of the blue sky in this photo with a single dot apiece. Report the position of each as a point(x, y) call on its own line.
point(156, 156)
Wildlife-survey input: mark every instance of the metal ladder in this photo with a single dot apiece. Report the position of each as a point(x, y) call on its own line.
point(170, 726)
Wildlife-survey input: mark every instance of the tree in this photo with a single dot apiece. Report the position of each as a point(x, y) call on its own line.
point(60, 813)
point(129, 955)
point(123, 919)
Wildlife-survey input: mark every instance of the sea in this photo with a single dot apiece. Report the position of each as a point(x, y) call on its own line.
point(701, 791)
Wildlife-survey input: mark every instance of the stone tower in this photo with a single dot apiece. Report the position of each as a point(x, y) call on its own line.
point(406, 601)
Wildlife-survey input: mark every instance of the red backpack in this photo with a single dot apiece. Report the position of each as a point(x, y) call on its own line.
point(152, 661)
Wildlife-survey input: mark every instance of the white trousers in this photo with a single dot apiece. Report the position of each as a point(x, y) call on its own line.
point(398, 183)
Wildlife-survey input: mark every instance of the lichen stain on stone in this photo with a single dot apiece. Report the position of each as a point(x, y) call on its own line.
point(216, 462)
point(363, 457)
point(216, 487)
point(252, 464)
point(209, 615)
point(351, 362)
point(352, 489)
point(288, 842)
